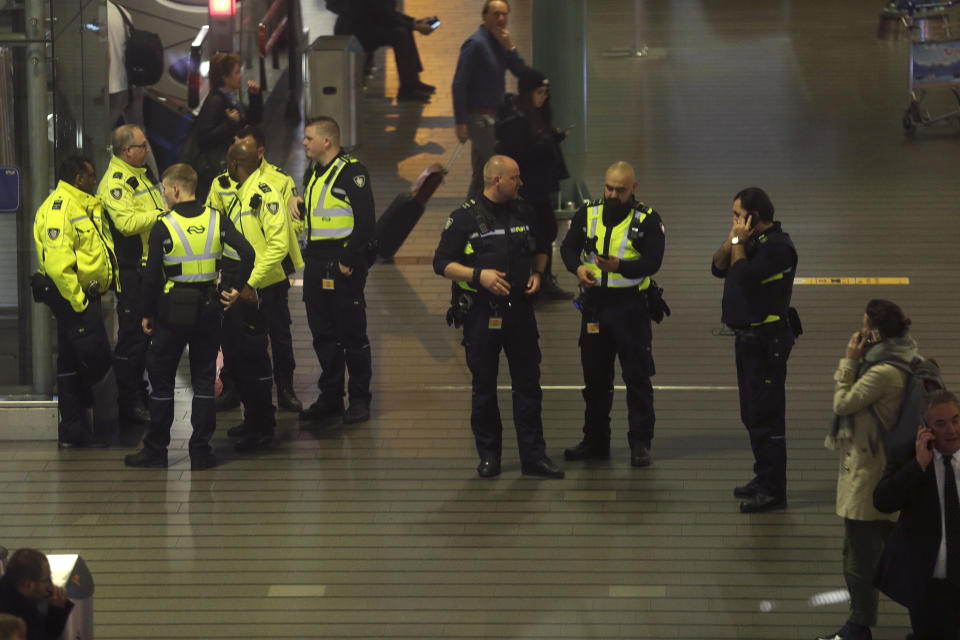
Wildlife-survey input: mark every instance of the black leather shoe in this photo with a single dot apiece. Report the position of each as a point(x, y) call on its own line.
point(238, 431)
point(412, 95)
point(849, 631)
point(543, 468)
point(424, 87)
point(82, 444)
point(318, 411)
point(254, 442)
point(356, 412)
point(227, 400)
point(199, 462)
point(488, 467)
point(746, 491)
point(763, 502)
point(640, 457)
point(287, 399)
point(145, 460)
point(587, 451)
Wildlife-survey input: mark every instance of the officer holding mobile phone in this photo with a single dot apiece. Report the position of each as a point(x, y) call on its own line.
point(757, 263)
point(614, 246)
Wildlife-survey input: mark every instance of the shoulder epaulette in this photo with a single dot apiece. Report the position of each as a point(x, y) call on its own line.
point(117, 174)
point(469, 203)
point(279, 170)
point(133, 182)
point(596, 202)
point(224, 180)
point(642, 208)
point(57, 204)
point(264, 187)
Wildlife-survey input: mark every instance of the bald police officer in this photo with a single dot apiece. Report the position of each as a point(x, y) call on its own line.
point(614, 246)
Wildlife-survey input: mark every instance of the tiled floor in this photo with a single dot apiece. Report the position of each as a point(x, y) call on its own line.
point(384, 530)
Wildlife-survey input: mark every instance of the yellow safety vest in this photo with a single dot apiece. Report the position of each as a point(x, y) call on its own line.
point(196, 247)
point(331, 214)
point(132, 203)
point(619, 240)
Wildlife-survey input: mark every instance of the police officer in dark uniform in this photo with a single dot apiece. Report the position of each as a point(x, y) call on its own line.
point(132, 203)
point(491, 250)
point(340, 225)
point(181, 307)
point(613, 247)
point(77, 266)
point(757, 262)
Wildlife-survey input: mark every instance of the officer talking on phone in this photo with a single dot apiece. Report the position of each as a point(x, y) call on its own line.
point(757, 263)
point(614, 246)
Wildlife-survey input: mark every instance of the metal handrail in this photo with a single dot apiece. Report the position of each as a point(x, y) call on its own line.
point(265, 44)
point(193, 74)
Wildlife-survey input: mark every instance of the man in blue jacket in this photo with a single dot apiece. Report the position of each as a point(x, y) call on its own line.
point(478, 85)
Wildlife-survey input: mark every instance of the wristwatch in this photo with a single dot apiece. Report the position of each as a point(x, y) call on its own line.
point(735, 240)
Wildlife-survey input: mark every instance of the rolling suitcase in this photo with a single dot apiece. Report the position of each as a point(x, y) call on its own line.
point(404, 212)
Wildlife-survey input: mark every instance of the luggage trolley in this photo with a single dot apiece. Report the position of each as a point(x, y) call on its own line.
point(934, 61)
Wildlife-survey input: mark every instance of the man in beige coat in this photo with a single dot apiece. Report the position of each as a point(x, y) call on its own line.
point(868, 392)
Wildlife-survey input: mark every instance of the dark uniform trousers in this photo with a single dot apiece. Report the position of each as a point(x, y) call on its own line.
point(762, 354)
point(163, 358)
point(130, 354)
point(275, 306)
point(338, 322)
point(81, 363)
point(518, 338)
point(243, 340)
point(624, 332)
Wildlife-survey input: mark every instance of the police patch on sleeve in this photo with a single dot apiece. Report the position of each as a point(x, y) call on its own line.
point(448, 224)
point(273, 207)
point(53, 233)
point(116, 193)
point(662, 228)
point(360, 180)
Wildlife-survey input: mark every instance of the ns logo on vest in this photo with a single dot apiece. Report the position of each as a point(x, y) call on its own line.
point(196, 229)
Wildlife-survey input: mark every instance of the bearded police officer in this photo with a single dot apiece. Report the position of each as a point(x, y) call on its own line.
point(274, 298)
point(339, 230)
point(132, 203)
point(614, 246)
point(495, 257)
point(260, 214)
point(181, 307)
point(757, 262)
point(77, 265)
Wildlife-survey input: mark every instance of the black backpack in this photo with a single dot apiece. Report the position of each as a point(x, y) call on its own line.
point(923, 378)
point(143, 55)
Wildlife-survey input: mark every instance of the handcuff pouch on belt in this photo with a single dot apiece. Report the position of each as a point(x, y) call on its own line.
point(460, 304)
point(657, 307)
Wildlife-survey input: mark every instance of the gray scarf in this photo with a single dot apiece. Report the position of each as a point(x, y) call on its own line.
point(841, 431)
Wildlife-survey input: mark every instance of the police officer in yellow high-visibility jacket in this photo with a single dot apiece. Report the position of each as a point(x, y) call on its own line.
point(274, 298)
point(182, 307)
point(77, 265)
point(260, 214)
point(132, 203)
point(613, 247)
point(340, 227)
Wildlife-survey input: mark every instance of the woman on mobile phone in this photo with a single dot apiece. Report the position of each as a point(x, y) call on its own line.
point(525, 132)
point(867, 398)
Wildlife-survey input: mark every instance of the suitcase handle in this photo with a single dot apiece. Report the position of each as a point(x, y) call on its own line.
point(453, 156)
